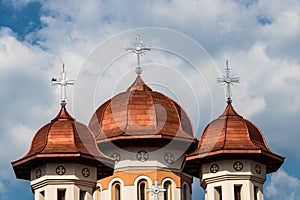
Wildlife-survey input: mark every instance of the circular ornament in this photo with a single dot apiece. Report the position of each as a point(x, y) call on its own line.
point(38, 173)
point(142, 156)
point(258, 169)
point(60, 170)
point(169, 158)
point(214, 168)
point(85, 172)
point(116, 157)
point(238, 166)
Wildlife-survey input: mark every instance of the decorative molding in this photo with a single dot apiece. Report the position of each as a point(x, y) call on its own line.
point(229, 177)
point(54, 181)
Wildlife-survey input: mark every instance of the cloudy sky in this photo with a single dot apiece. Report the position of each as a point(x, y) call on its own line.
point(191, 41)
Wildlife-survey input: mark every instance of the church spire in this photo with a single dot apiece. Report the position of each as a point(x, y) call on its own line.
point(63, 82)
point(228, 80)
point(138, 48)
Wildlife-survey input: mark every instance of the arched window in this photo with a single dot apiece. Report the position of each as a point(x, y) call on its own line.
point(98, 192)
point(116, 191)
point(142, 187)
point(168, 192)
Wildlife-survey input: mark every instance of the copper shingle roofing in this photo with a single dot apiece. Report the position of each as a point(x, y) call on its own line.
point(140, 112)
point(232, 136)
point(63, 140)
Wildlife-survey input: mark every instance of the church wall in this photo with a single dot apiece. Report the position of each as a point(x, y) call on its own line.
point(228, 174)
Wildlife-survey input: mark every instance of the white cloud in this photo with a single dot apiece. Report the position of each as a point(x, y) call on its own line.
point(264, 56)
point(2, 188)
point(283, 186)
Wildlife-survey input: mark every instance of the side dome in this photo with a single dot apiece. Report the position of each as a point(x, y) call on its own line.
point(63, 140)
point(141, 113)
point(232, 136)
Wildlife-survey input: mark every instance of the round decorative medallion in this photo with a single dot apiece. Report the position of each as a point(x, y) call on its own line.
point(116, 157)
point(169, 158)
point(60, 170)
point(214, 168)
point(142, 156)
point(238, 166)
point(85, 172)
point(38, 173)
point(258, 169)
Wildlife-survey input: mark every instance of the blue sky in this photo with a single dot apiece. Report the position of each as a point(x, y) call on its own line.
point(259, 38)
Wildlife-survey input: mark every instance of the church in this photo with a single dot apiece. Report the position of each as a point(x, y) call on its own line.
point(140, 145)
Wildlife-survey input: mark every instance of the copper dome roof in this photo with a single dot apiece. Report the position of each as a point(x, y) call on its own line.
point(232, 136)
point(63, 140)
point(143, 113)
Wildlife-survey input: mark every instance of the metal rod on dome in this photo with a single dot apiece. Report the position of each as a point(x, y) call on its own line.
point(138, 48)
point(63, 82)
point(156, 189)
point(228, 80)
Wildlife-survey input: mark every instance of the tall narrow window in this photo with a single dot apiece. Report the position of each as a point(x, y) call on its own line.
point(82, 195)
point(61, 194)
point(142, 187)
point(168, 192)
point(218, 193)
point(116, 191)
point(256, 192)
point(185, 192)
point(98, 193)
point(42, 195)
point(237, 192)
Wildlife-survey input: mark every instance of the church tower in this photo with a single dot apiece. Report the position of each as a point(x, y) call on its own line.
point(232, 158)
point(63, 162)
point(148, 134)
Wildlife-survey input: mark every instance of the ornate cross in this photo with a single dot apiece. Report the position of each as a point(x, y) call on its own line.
point(139, 49)
point(156, 189)
point(63, 82)
point(229, 80)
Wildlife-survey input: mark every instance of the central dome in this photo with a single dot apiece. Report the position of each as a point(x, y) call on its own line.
point(140, 113)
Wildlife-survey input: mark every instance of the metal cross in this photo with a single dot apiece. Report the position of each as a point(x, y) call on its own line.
point(156, 189)
point(139, 49)
point(229, 80)
point(63, 82)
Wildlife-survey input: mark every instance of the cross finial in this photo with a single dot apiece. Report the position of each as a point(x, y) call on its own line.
point(139, 49)
point(156, 189)
point(63, 82)
point(228, 80)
